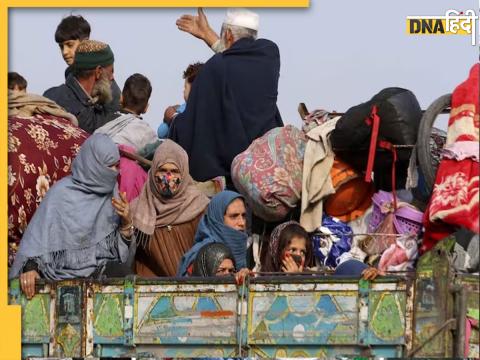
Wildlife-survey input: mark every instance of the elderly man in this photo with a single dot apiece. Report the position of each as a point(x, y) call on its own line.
point(233, 99)
point(87, 90)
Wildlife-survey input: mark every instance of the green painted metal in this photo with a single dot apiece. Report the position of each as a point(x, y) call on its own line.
point(108, 315)
point(434, 303)
point(185, 314)
point(36, 319)
point(322, 317)
point(69, 319)
point(308, 316)
point(128, 298)
point(387, 320)
point(363, 296)
point(69, 340)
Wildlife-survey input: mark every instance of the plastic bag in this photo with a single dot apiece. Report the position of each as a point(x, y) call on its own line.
point(377, 244)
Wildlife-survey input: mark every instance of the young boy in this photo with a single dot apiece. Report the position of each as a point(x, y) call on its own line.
point(70, 32)
point(16, 82)
point(171, 112)
point(128, 128)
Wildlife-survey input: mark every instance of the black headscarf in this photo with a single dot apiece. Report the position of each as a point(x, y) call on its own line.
point(209, 259)
point(233, 101)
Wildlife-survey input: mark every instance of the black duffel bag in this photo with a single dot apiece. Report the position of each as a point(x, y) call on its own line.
point(364, 136)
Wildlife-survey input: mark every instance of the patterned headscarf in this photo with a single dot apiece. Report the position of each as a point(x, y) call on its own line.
point(150, 209)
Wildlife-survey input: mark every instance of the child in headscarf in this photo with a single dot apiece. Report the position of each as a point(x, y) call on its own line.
point(79, 228)
point(224, 222)
point(289, 249)
point(166, 213)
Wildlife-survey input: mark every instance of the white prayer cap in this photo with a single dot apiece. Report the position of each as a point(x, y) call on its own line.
point(242, 17)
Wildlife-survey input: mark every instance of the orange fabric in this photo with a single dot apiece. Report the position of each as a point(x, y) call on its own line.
point(353, 195)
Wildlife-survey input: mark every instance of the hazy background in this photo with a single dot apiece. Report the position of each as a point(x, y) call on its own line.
point(334, 55)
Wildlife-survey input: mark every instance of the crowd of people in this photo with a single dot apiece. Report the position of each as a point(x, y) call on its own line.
point(114, 213)
point(86, 226)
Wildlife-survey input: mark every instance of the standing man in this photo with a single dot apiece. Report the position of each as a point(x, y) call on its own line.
point(233, 100)
point(87, 90)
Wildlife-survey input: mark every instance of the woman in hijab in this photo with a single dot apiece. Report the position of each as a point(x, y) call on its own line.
point(289, 249)
point(224, 222)
point(79, 229)
point(214, 259)
point(166, 213)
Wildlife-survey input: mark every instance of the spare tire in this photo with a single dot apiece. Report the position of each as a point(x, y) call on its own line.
point(427, 166)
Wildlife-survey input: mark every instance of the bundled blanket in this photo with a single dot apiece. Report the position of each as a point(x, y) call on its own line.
point(27, 105)
point(455, 198)
point(129, 129)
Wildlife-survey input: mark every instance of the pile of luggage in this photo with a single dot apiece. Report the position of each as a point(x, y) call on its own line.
point(354, 181)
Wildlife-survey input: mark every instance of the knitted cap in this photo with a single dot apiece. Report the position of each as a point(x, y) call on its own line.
point(92, 53)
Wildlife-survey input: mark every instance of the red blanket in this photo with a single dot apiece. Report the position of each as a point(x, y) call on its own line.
point(40, 152)
point(463, 124)
point(455, 198)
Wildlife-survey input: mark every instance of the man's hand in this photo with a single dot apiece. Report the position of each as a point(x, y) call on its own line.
point(27, 283)
point(198, 26)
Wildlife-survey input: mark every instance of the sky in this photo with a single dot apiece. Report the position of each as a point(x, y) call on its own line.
point(334, 54)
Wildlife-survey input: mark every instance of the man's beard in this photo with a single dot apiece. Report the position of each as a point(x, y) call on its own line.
point(223, 43)
point(102, 90)
point(222, 47)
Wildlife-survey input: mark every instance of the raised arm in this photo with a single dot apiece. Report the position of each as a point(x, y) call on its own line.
point(198, 26)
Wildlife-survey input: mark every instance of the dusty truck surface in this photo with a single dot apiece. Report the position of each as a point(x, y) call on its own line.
point(423, 314)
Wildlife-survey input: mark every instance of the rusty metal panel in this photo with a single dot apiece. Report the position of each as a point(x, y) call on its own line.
point(37, 316)
point(290, 318)
point(433, 310)
point(69, 319)
point(185, 314)
point(186, 351)
point(326, 313)
point(387, 320)
point(109, 319)
point(472, 285)
point(276, 317)
point(324, 352)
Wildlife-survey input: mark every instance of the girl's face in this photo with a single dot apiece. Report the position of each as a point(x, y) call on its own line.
point(168, 179)
point(298, 247)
